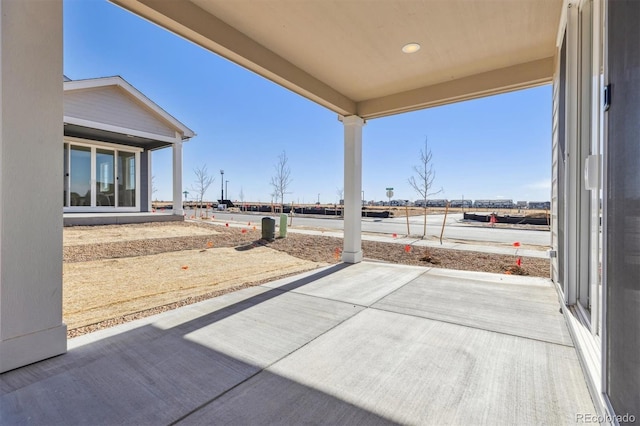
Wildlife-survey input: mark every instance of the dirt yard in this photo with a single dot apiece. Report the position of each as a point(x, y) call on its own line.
point(99, 290)
point(114, 274)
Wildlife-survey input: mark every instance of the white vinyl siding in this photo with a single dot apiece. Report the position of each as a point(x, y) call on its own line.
point(113, 106)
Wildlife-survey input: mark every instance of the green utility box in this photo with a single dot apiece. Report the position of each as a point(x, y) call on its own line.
point(268, 228)
point(283, 225)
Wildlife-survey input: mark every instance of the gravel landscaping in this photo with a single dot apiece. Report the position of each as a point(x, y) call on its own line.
point(87, 251)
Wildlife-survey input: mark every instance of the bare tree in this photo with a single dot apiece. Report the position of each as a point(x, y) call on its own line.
point(154, 188)
point(422, 181)
point(202, 183)
point(282, 179)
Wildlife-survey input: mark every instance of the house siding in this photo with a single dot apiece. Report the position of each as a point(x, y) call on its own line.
point(111, 105)
point(144, 181)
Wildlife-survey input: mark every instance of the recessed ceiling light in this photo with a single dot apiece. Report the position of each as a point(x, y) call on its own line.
point(411, 48)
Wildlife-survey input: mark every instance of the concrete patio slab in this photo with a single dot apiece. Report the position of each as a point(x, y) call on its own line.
point(270, 399)
point(275, 326)
point(155, 371)
point(279, 356)
point(150, 377)
point(362, 284)
point(410, 370)
point(513, 305)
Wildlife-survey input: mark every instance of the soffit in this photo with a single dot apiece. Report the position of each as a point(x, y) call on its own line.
point(346, 55)
point(93, 134)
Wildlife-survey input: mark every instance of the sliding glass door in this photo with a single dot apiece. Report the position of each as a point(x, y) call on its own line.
point(126, 179)
point(105, 178)
point(100, 177)
point(80, 176)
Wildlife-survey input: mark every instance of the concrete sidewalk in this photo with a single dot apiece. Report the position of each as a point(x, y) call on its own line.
point(416, 242)
point(348, 344)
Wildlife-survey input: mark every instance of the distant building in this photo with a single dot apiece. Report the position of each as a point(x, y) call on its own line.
point(461, 203)
point(493, 204)
point(539, 205)
point(436, 203)
point(430, 203)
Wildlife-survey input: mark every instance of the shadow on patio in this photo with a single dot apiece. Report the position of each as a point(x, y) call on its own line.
point(368, 343)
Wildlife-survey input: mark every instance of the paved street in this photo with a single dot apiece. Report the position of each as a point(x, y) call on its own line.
point(455, 229)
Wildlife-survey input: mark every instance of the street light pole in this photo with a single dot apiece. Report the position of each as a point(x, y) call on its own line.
point(226, 187)
point(221, 186)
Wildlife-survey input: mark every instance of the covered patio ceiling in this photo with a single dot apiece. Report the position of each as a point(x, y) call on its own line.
point(347, 55)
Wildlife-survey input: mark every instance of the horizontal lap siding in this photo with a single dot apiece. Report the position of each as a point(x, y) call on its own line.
point(111, 105)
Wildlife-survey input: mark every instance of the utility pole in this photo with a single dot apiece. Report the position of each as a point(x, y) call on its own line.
point(221, 186)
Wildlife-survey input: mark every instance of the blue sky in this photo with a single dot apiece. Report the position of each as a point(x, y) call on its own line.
point(495, 147)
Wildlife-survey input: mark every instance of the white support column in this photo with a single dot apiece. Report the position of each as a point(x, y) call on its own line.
point(352, 251)
point(31, 182)
point(177, 178)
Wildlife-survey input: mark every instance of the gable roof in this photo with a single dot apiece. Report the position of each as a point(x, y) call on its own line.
point(159, 114)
